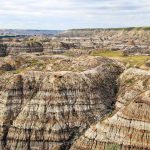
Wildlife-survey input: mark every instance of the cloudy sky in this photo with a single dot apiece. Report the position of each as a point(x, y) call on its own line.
point(66, 14)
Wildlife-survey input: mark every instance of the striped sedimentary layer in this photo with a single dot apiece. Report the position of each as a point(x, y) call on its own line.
point(49, 110)
point(128, 128)
point(3, 50)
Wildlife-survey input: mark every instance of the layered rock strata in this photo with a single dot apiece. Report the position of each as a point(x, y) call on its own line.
point(127, 128)
point(48, 110)
point(20, 47)
point(3, 50)
point(132, 41)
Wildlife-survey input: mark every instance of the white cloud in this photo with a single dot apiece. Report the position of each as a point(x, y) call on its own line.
point(57, 14)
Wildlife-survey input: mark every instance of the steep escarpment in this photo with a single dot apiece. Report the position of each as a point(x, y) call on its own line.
point(49, 110)
point(129, 126)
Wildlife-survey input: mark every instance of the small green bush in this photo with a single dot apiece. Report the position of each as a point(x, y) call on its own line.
point(113, 147)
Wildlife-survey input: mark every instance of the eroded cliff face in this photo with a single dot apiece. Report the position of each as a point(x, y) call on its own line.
point(128, 127)
point(132, 41)
point(48, 109)
point(29, 46)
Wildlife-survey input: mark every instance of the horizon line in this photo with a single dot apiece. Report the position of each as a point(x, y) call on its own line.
point(76, 28)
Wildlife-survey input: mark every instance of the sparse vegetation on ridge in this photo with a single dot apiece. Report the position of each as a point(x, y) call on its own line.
point(131, 60)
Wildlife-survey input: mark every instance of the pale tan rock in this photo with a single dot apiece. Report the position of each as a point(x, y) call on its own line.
point(49, 109)
point(129, 126)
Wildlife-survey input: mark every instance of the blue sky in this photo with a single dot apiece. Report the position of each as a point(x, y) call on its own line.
point(67, 14)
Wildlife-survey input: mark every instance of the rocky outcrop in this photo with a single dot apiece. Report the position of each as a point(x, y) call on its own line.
point(128, 127)
point(131, 41)
point(48, 110)
point(137, 50)
point(21, 47)
point(33, 46)
point(5, 66)
point(147, 63)
point(3, 50)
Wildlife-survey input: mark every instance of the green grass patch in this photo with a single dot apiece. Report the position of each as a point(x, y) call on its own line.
point(112, 147)
point(136, 60)
point(2, 72)
point(129, 81)
point(107, 53)
point(68, 53)
point(131, 60)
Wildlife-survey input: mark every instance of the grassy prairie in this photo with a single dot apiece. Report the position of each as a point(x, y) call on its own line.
point(131, 60)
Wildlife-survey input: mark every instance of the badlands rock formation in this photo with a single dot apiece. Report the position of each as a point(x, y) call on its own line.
point(3, 50)
point(48, 110)
point(27, 46)
point(132, 41)
point(135, 41)
point(75, 101)
point(129, 126)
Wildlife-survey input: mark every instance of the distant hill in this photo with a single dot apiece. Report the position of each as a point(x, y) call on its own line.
point(15, 32)
point(90, 32)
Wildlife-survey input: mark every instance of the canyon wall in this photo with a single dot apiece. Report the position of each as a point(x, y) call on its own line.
point(75, 102)
point(48, 110)
point(128, 127)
